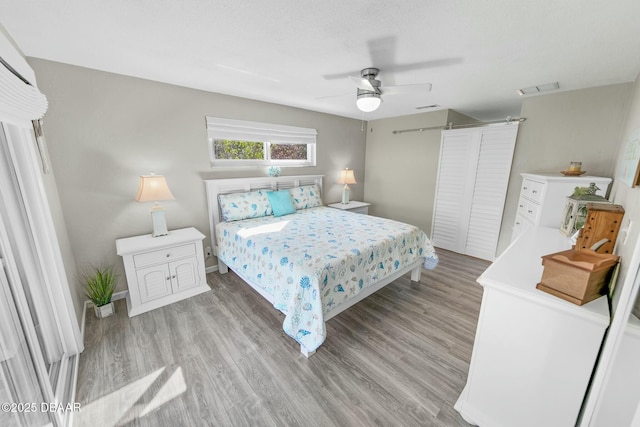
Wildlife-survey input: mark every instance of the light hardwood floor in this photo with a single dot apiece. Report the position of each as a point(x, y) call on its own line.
point(398, 358)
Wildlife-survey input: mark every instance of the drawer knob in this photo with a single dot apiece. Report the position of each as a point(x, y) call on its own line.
point(525, 188)
point(173, 277)
point(168, 278)
point(168, 255)
point(522, 206)
point(530, 211)
point(534, 191)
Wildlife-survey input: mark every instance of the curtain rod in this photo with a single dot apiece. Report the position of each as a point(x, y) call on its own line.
point(509, 120)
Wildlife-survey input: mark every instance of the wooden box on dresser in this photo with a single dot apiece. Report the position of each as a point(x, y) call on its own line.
point(162, 270)
point(533, 353)
point(543, 196)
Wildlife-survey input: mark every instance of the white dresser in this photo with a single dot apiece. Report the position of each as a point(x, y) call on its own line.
point(533, 353)
point(162, 270)
point(543, 196)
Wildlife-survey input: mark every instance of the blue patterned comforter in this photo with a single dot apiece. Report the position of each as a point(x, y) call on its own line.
point(317, 258)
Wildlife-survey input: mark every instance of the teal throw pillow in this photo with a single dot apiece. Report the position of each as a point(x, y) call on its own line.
point(281, 202)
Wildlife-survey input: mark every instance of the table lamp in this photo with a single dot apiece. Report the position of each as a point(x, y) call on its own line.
point(346, 178)
point(154, 188)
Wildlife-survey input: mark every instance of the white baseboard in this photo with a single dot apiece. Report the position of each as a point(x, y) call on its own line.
point(211, 269)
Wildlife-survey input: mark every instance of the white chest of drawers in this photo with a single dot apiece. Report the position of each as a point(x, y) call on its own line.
point(162, 270)
point(543, 196)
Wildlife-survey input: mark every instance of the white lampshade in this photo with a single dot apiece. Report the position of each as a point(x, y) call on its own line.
point(368, 102)
point(347, 177)
point(153, 188)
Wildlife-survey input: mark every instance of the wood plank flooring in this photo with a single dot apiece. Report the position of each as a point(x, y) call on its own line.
point(398, 358)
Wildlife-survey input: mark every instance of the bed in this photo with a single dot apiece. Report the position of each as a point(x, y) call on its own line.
point(314, 262)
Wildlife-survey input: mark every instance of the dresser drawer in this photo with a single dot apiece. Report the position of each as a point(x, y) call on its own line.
point(532, 190)
point(164, 255)
point(531, 213)
point(523, 204)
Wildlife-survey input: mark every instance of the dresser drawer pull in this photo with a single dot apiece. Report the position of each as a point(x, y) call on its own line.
point(521, 206)
point(168, 255)
point(168, 278)
point(534, 191)
point(525, 188)
point(529, 211)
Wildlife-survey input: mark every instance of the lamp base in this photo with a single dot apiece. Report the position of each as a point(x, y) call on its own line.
point(158, 221)
point(345, 194)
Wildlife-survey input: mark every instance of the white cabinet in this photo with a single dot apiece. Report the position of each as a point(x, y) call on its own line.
point(533, 353)
point(473, 174)
point(543, 197)
point(352, 206)
point(162, 270)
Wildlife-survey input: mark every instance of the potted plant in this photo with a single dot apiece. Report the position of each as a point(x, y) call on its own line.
point(99, 286)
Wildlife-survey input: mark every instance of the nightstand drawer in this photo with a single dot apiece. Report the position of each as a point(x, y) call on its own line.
point(164, 255)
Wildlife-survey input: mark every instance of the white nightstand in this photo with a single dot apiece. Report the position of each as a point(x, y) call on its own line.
point(162, 270)
point(353, 206)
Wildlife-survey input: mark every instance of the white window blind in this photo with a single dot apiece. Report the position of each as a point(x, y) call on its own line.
point(241, 130)
point(19, 101)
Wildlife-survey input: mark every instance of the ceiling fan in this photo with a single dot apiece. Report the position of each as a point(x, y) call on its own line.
point(370, 89)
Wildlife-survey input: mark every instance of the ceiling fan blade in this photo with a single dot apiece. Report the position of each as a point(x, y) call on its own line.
point(414, 88)
point(363, 84)
point(335, 96)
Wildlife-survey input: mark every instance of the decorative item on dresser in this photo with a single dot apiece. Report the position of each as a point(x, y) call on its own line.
point(164, 270)
point(533, 354)
point(574, 214)
point(353, 206)
point(601, 228)
point(542, 197)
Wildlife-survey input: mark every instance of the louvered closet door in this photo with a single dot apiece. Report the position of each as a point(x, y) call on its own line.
point(473, 175)
point(490, 190)
point(454, 189)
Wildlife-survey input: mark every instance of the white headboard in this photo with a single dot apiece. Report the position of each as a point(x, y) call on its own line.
point(241, 185)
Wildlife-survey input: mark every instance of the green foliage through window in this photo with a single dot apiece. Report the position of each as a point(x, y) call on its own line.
point(229, 149)
point(289, 151)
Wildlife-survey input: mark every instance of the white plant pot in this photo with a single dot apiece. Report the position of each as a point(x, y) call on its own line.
point(104, 310)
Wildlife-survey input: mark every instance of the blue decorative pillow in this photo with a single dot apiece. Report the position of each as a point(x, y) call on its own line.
point(237, 206)
point(281, 202)
point(306, 196)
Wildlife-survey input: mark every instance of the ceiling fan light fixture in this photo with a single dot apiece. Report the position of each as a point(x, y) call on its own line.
point(368, 101)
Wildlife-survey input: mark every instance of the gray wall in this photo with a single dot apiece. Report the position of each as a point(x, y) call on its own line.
point(104, 130)
point(581, 125)
point(401, 169)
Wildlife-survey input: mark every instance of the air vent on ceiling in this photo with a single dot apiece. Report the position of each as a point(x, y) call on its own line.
point(427, 106)
point(538, 89)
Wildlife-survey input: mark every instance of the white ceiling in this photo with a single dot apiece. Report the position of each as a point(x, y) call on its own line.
point(476, 53)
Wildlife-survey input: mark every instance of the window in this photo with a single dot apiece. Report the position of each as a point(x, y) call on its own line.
point(243, 143)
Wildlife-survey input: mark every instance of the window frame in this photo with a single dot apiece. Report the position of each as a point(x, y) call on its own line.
point(266, 133)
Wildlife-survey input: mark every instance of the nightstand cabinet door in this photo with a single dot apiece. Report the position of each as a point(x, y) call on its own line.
point(184, 274)
point(153, 282)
